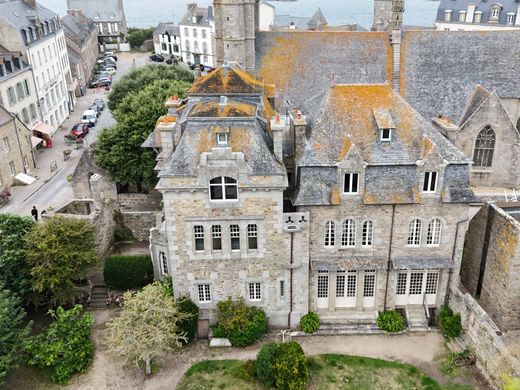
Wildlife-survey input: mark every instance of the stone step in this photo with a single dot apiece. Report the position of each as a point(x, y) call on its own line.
point(337, 330)
point(348, 318)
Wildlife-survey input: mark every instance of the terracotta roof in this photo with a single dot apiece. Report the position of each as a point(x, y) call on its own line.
point(225, 81)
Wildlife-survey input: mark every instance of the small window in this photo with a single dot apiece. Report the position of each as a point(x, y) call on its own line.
point(433, 237)
point(447, 15)
point(510, 18)
point(7, 145)
point(12, 168)
point(430, 182)
point(255, 291)
point(351, 183)
point(462, 16)
point(216, 237)
point(164, 263)
point(198, 232)
point(368, 233)
point(252, 236)
point(234, 234)
point(11, 96)
point(414, 234)
point(330, 232)
point(386, 134)
point(282, 289)
point(204, 292)
point(495, 12)
point(223, 188)
point(222, 138)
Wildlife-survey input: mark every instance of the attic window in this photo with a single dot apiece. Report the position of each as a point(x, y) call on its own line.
point(386, 134)
point(222, 139)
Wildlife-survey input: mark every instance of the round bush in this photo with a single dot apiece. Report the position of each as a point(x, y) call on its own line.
point(264, 366)
point(391, 321)
point(291, 372)
point(190, 325)
point(310, 322)
point(252, 332)
point(127, 272)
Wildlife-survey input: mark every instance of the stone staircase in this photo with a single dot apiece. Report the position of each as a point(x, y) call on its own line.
point(416, 318)
point(98, 297)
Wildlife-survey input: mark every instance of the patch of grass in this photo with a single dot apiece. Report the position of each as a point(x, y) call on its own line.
point(446, 362)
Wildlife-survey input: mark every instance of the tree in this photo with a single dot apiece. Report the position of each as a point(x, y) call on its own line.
point(12, 333)
point(65, 345)
point(141, 77)
point(118, 149)
point(59, 251)
point(14, 270)
point(137, 36)
point(147, 325)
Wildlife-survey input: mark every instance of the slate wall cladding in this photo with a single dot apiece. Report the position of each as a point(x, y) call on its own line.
point(391, 184)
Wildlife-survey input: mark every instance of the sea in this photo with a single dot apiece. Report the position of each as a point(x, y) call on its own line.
point(148, 13)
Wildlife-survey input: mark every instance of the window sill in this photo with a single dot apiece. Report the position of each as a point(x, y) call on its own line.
point(481, 170)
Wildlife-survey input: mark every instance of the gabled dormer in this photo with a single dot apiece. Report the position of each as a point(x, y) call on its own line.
point(385, 124)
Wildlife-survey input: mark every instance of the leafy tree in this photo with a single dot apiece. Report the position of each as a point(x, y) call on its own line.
point(137, 36)
point(141, 77)
point(14, 271)
point(65, 346)
point(147, 325)
point(59, 251)
point(12, 333)
point(118, 149)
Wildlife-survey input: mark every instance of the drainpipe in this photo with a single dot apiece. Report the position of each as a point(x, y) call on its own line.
point(290, 283)
point(15, 117)
point(389, 262)
point(447, 296)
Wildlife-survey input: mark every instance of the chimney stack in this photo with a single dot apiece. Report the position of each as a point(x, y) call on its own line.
point(278, 125)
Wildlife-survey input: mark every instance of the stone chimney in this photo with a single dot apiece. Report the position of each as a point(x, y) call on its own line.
point(298, 132)
point(167, 126)
point(278, 126)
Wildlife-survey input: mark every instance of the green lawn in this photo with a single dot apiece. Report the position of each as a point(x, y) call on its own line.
point(327, 372)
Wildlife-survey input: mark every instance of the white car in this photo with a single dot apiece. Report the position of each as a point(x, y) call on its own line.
point(89, 117)
point(110, 71)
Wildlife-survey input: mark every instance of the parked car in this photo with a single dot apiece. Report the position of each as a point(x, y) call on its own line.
point(100, 82)
point(193, 66)
point(157, 58)
point(171, 61)
point(106, 62)
point(109, 70)
point(89, 117)
point(102, 73)
point(100, 103)
point(79, 130)
point(110, 54)
point(96, 109)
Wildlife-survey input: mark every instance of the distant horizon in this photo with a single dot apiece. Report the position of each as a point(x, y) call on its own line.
point(143, 14)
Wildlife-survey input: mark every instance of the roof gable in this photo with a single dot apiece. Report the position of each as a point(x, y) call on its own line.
point(227, 80)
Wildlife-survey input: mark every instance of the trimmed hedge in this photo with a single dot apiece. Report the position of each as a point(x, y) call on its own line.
point(391, 321)
point(310, 322)
point(190, 325)
point(127, 272)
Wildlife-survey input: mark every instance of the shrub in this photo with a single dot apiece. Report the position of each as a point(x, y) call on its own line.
point(391, 321)
point(264, 367)
point(122, 233)
point(240, 323)
point(450, 323)
point(190, 325)
point(127, 272)
point(65, 347)
point(291, 372)
point(310, 322)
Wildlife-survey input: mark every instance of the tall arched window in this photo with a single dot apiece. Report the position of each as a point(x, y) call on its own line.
point(348, 236)
point(368, 233)
point(223, 188)
point(484, 147)
point(330, 233)
point(414, 233)
point(434, 232)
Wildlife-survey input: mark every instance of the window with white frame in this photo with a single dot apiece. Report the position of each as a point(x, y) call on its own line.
point(340, 284)
point(495, 12)
point(462, 16)
point(369, 286)
point(222, 138)
point(434, 232)
point(351, 183)
point(401, 283)
point(7, 145)
point(216, 237)
point(11, 95)
point(198, 232)
point(478, 17)
point(330, 233)
point(282, 283)
point(25, 115)
point(348, 236)
point(414, 234)
point(432, 279)
point(164, 262)
point(510, 18)
point(234, 234)
point(255, 291)
point(351, 283)
point(367, 236)
point(323, 284)
point(430, 182)
point(223, 188)
point(12, 168)
point(416, 281)
point(252, 236)
point(203, 31)
point(386, 134)
point(447, 15)
point(204, 292)
point(186, 31)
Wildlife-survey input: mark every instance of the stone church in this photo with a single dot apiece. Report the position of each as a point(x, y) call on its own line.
point(300, 180)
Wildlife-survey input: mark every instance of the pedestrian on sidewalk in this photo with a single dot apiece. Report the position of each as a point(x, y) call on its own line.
point(34, 213)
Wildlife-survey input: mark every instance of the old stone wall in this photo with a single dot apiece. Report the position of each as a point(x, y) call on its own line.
point(132, 201)
point(493, 357)
point(140, 222)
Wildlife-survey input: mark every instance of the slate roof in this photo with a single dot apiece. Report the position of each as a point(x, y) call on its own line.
point(98, 10)
point(317, 21)
point(5, 116)
point(484, 6)
point(478, 97)
point(204, 16)
point(170, 28)
point(440, 69)
point(78, 29)
point(16, 13)
point(227, 81)
point(8, 56)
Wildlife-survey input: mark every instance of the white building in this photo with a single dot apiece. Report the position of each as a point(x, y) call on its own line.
point(37, 33)
point(266, 15)
point(197, 28)
point(167, 40)
point(464, 15)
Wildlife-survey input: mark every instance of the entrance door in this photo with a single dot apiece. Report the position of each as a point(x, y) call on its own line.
point(322, 300)
point(196, 58)
point(412, 285)
point(346, 283)
point(369, 288)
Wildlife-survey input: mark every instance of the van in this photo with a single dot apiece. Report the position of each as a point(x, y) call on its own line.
point(89, 117)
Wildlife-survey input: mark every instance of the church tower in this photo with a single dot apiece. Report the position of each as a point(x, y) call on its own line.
point(236, 22)
point(388, 15)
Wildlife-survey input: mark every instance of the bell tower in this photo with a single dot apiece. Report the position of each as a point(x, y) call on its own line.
point(236, 22)
point(388, 15)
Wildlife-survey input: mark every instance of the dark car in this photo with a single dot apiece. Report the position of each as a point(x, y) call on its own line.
point(171, 61)
point(100, 103)
point(157, 58)
point(94, 107)
point(79, 130)
point(193, 66)
point(110, 54)
point(111, 58)
point(101, 82)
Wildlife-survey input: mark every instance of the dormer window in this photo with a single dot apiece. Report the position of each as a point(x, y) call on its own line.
point(495, 12)
point(478, 16)
point(447, 15)
point(223, 188)
point(222, 139)
point(430, 182)
point(386, 134)
point(385, 124)
point(510, 18)
point(462, 16)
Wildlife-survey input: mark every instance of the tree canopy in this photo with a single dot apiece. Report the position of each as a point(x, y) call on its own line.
point(118, 149)
point(147, 325)
point(137, 36)
point(14, 270)
point(141, 77)
point(59, 251)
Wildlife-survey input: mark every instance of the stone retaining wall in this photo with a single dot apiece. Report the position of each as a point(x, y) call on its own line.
point(140, 222)
point(142, 202)
point(493, 357)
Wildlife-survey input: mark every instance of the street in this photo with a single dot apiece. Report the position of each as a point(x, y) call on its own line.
point(52, 188)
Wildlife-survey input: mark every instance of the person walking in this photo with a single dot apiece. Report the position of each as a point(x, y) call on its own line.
point(34, 213)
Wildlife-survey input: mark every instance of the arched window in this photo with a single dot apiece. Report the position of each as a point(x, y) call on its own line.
point(368, 233)
point(434, 232)
point(484, 147)
point(414, 234)
point(223, 188)
point(348, 236)
point(330, 233)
